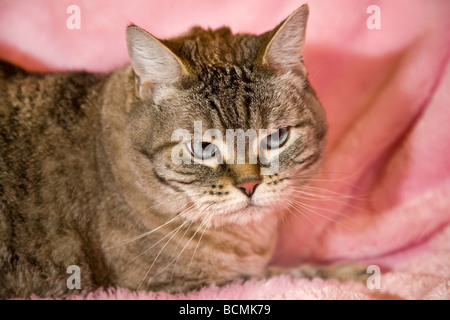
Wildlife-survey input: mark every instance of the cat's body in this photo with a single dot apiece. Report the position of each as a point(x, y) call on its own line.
point(86, 176)
point(49, 180)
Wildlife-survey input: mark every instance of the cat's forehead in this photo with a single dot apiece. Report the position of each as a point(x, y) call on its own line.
point(238, 98)
point(231, 96)
point(202, 48)
point(231, 88)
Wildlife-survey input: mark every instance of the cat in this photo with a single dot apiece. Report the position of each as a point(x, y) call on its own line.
point(89, 179)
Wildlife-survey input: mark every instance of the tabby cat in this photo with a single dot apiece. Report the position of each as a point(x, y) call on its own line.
point(88, 176)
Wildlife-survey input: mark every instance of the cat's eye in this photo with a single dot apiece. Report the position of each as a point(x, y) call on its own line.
point(276, 139)
point(202, 150)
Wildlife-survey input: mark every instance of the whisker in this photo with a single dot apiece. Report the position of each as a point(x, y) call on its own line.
point(325, 197)
point(324, 190)
point(306, 207)
point(162, 249)
point(149, 232)
point(310, 197)
point(293, 213)
point(181, 239)
point(175, 231)
point(321, 172)
point(209, 217)
point(154, 244)
point(151, 207)
point(336, 212)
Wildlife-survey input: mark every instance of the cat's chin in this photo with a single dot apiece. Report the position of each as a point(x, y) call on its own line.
point(249, 214)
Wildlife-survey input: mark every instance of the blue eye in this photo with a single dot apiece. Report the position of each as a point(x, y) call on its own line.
point(202, 150)
point(276, 140)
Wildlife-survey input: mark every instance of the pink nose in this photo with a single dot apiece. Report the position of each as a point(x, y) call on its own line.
point(248, 186)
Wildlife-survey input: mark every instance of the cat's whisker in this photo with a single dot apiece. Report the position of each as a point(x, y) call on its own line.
point(209, 217)
point(306, 180)
point(165, 245)
point(151, 207)
point(177, 197)
point(288, 207)
point(345, 177)
point(182, 237)
point(308, 208)
point(318, 191)
point(319, 196)
point(313, 177)
point(206, 219)
point(179, 254)
point(335, 212)
point(142, 235)
point(284, 219)
point(174, 231)
point(155, 244)
point(312, 197)
point(345, 201)
point(324, 190)
point(323, 176)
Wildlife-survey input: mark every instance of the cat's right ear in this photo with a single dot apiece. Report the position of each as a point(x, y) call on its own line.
point(153, 63)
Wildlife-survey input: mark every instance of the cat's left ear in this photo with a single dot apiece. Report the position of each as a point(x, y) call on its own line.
point(154, 64)
point(284, 49)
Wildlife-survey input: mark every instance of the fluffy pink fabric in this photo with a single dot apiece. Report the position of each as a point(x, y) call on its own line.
point(386, 94)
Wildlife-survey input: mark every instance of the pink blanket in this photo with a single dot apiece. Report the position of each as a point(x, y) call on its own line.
point(384, 195)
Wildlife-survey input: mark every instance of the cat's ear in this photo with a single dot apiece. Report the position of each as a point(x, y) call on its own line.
point(153, 63)
point(284, 49)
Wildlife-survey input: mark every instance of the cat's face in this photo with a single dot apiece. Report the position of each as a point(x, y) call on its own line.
point(226, 123)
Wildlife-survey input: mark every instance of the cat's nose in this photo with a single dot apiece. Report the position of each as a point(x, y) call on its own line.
point(248, 186)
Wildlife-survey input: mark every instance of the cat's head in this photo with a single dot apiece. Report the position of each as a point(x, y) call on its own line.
point(224, 124)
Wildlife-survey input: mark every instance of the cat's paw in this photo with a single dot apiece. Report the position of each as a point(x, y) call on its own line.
point(342, 272)
point(345, 272)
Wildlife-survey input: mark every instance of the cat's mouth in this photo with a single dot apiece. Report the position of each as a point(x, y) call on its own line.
point(245, 213)
point(251, 205)
point(238, 208)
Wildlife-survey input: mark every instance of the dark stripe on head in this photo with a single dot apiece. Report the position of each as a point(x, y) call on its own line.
point(166, 183)
point(309, 160)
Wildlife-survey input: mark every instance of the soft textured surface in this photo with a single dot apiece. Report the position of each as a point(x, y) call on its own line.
point(386, 93)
